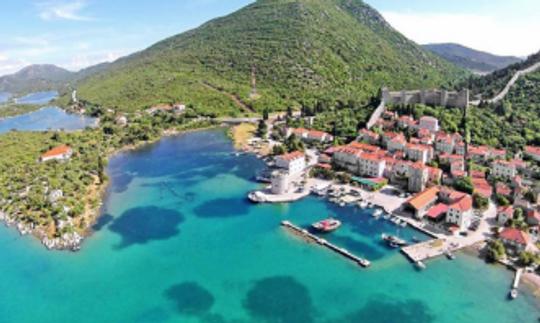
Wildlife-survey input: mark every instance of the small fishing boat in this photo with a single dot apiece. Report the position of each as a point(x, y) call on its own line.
point(387, 216)
point(378, 213)
point(327, 225)
point(363, 204)
point(403, 224)
point(370, 205)
point(393, 240)
point(415, 239)
point(450, 255)
point(513, 294)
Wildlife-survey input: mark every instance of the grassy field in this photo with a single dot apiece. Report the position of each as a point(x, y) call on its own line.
point(241, 134)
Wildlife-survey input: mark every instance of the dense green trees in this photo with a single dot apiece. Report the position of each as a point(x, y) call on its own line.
point(495, 251)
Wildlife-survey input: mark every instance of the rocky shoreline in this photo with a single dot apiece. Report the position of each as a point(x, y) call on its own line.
point(72, 241)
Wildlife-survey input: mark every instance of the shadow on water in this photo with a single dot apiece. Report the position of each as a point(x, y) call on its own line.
point(223, 208)
point(102, 222)
point(279, 299)
point(120, 182)
point(144, 224)
point(190, 298)
point(381, 311)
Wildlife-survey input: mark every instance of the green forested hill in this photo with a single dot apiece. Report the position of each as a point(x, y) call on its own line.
point(295, 51)
point(35, 78)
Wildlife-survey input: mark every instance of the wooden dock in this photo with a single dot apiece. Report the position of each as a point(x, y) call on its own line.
point(341, 251)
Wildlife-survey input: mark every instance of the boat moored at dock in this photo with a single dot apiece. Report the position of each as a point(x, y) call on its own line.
point(393, 241)
point(327, 225)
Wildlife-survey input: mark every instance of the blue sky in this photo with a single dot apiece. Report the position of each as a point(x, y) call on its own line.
point(78, 33)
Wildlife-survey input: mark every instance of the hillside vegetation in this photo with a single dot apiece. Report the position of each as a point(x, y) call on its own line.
point(471, 59)
point(295, 51)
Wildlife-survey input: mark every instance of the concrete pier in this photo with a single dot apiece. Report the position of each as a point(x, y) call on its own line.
point(341, 251)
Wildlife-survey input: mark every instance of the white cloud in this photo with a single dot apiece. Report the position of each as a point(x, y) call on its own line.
point(80, 61)
point(488, 33)
point(58, 10)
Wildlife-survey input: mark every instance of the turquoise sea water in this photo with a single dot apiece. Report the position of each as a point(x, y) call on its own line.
point(50, 118)
point(38, 97)
point(178, 242)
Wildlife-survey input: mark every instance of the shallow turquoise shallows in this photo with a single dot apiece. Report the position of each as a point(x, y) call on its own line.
point(178, 242)
point(49, 118)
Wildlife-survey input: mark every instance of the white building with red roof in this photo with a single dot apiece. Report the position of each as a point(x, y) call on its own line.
point(515, 239)
point(60, 153)
point(460, 212)
point(429, 123)
point(504, 169)
point(418, 177)
point(533, 217)
point(310, 135)
point(368, 136)
point(504, 214)
point(294, 162)
point(421, 153)
point(444, 143)
point(533, 152)
point(395, 142)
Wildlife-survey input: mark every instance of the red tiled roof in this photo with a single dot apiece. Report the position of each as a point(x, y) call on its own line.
point(533, 214)
point(478, 174)
point(317, 134)
point(57, 151)
point(532, 150)
point(436, 211)
point(292, 156)
point(515, 235)
point(503, 189)
point(422, 199)
point(506, 210)
point(324, 166)
point(364, 147)
point(464, 204)
point(482, 187)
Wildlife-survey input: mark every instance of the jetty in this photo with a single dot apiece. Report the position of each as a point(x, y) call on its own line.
point(425, 250)
point(311, 237)
point(515, 284)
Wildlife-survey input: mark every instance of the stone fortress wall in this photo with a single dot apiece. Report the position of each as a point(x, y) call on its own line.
point(429, 97)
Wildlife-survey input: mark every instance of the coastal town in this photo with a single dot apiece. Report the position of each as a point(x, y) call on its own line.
point(415, 174)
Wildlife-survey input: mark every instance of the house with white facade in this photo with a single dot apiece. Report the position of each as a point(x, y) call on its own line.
point(294, 162)
point(421, 153)
point(429, 123)
point(504, 169)
point(60, 153)
point(460, 212)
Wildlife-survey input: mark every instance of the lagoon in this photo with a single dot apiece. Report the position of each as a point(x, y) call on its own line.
point(178, 242)
point(48, 118)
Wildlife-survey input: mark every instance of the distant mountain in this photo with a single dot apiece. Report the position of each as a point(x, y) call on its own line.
point(272, 53)
point(35, 78)
point(471, 59)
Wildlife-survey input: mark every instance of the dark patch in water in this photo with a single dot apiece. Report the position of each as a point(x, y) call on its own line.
point(279, 299)
point(144, 224)
point(120, 183)
point(377, 311)
point(190, 298)
point(222, 208)
point(102, 222)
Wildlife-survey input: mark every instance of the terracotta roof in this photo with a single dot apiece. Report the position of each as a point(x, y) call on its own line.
point(437, 211)
point(371, 157)
point(318, 134)
point(421, 200)
point(57, 151)
point(482, 187)
point(533, 214)
point(532, 150)
point(464, 204)
point(503, 189)
point(364, 147)
point(292, 156)
point(429, 119)
point(506, 210)
point(478, 174)
point(515, 235)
